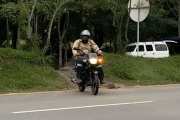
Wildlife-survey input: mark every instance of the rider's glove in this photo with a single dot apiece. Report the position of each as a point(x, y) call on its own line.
point(82, 54)
point(101, 54)
point(78, 54)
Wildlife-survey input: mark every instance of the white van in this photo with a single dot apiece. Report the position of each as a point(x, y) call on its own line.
point(156, 49)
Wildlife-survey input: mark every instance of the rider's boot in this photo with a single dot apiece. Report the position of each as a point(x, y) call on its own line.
point(102, 82)
point(77, 80)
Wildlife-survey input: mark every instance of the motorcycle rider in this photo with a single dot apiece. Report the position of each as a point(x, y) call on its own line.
point(86, 45)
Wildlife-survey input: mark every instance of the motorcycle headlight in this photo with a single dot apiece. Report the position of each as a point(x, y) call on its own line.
point(93, 61)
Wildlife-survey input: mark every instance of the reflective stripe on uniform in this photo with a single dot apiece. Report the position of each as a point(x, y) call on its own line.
point(79, 65)
point(97, 50)
point(98, 66)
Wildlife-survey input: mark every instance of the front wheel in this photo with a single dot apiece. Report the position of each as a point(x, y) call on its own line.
point(81, 87)
point(95, 85)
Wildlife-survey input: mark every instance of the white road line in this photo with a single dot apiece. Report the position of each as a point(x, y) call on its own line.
point(80, 107)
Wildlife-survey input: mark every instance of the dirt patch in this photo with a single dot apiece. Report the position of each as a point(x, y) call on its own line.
point(68, 73)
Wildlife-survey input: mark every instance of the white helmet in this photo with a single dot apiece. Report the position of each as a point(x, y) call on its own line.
point(85, 32)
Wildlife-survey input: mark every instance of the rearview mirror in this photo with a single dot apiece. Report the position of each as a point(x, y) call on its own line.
point(103, 48)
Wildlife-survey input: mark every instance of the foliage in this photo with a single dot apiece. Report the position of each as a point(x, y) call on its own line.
point(33, 44)
point(15, 12)
point(107, 21)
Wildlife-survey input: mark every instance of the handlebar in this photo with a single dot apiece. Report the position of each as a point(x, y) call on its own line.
point(82, 54)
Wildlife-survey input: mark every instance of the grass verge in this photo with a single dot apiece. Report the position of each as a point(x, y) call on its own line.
point(132, 71)
point(27, 72)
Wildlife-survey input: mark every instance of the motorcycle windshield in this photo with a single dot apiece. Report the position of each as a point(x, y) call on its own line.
point(92, 58)
point(92, 55)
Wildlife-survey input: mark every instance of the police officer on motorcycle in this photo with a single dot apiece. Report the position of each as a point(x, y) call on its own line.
point(86, 45)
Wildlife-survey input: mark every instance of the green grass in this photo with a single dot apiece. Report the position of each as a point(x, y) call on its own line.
point(27, 72)
point(142, 71)
point(22, 71)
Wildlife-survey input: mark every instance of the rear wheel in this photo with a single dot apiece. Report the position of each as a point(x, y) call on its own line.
point(95, 85)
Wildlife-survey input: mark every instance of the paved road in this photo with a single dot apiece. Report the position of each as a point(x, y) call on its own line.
point(144, 103)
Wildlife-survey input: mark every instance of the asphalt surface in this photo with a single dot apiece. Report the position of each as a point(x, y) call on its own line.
point(143, 103)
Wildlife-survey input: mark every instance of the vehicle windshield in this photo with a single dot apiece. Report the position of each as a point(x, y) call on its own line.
point(130, 48)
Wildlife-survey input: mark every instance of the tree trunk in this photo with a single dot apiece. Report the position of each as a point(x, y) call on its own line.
point(48, 44)
point(65, 54)
point(60, 54)
point(29, 32)
point(126, 30)
point(119, 43)
point(178, 17)
point(36, 25)
point(18, 37)
point(61, 36)
point(60, 43)
point(99, 36)
point(114, 44)
point(29, 17)
point(7, 35)
point(119, 36)
point(14, 36)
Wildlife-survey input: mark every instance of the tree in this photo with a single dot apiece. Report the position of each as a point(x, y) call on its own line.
point(14, 14)
point(30, 13)
point(178, 1)
point(174, 8)
point(61, 33)
point(119, 10)
point(8, 11)
point(107, 21)
point(56, 7)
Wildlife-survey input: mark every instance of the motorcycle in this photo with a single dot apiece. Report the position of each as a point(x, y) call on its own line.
point(89, 74)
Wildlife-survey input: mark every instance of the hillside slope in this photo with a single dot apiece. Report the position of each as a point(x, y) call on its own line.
point(25, 71)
